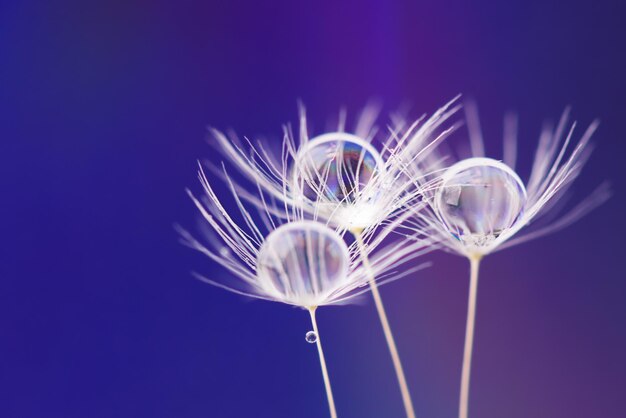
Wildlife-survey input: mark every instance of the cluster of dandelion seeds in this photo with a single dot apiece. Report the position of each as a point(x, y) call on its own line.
point(334, 216)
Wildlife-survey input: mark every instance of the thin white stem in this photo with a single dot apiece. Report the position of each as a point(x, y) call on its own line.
point(395, 357)
point(329, 392)
point(469, 337)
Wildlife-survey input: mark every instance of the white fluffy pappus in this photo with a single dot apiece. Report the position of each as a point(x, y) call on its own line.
point(287, 255)
point(480, 205)
point(354, 181)
point(341, 177)
point(291, 258)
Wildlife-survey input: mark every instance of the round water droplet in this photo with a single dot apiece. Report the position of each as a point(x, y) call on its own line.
point(336, 167)
point(311, 337)
point(302, 263)
point(480, 198)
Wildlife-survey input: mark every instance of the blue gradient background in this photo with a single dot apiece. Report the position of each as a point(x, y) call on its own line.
point(103, 109)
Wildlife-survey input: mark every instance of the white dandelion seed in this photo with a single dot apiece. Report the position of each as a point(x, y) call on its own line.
point(297, 261)
point(480, 205)
point(343, 179)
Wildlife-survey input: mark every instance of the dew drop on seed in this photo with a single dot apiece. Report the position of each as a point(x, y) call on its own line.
point(479, 199)
point(302, 262)
point(311, 337)
point(336, 167)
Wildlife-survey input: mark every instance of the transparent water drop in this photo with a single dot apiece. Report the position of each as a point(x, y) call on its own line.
point(335, 170)
point(480, 198)
point(311, 337)
point(336, 167)
point(302, 263)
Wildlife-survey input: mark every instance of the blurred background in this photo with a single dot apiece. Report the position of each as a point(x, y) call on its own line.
point(103, 113)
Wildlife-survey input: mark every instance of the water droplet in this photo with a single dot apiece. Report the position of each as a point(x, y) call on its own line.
point(336, 171)
point(336, 167)
point(311, 337)
point(302, 263)
point(480, 198)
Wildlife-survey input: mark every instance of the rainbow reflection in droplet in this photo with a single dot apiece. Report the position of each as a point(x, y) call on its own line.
point(336, 167)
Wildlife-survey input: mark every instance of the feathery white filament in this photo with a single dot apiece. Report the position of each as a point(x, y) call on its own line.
point(553, 173)
point(480, 204)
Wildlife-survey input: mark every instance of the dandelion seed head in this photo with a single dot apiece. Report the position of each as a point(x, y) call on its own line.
point(480, 205)
point(352, 181)
point(340, 182)
point(478, 200)
point(281, 255)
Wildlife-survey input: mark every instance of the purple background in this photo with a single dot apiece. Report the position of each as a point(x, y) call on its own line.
point(103, 109)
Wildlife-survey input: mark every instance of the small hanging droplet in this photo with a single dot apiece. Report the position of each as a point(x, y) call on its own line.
point(311, 337)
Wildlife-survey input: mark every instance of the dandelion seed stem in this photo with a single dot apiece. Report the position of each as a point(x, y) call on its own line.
point(329, 392)
point(395, 357)
point(469, 337)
